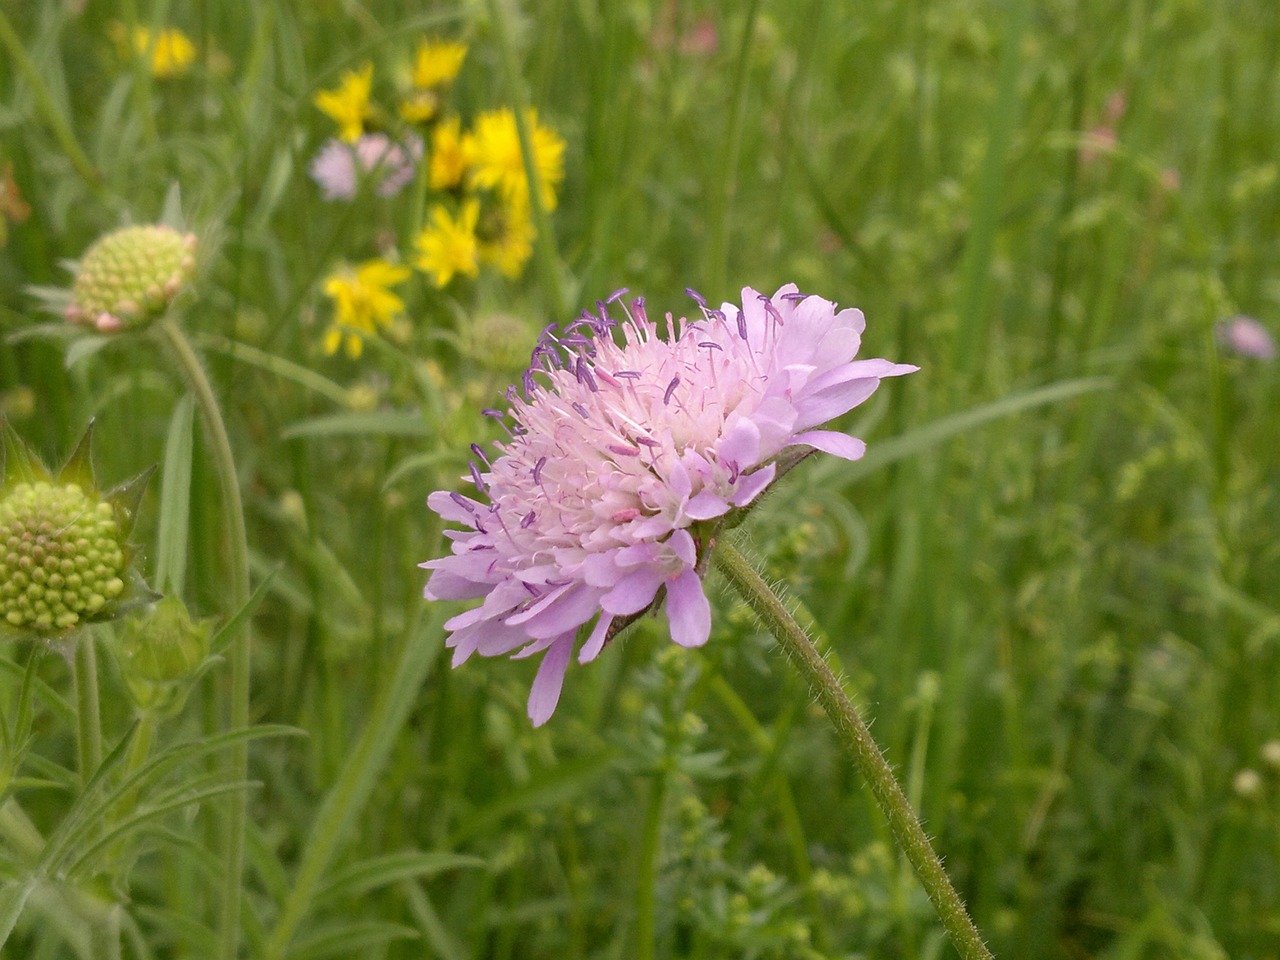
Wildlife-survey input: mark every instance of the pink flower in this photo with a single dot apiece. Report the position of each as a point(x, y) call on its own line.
point(1246, 337)
point(623, 459)
point(339, 166)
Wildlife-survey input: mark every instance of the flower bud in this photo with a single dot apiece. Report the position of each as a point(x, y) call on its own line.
point(64, 556)
point(159, 652)
point(127, 278)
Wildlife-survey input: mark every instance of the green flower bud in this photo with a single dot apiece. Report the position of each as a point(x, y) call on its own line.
point(127, 278)
point(64, 556)
point(165, 645)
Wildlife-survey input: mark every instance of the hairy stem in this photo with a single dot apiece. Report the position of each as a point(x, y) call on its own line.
point(856, 739)
point(84, 669)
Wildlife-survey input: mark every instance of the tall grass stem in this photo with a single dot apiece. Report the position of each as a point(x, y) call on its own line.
point(84, 669)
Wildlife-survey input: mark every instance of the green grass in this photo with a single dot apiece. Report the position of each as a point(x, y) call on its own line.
point(1052, 583)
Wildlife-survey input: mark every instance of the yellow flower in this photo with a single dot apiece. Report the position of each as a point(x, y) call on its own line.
point(363, 303)
point(448, 161)
point(493, 152)
point(171, 54)
point(420, 106)
point(449, 246)
point(348, 103)
point(506, 238)
point(437, 63)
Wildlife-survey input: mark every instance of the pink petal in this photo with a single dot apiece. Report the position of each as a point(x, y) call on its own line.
point(545, 693)
point(688, 610)
point(595, 643)
point(829, 441)
point(633, 592)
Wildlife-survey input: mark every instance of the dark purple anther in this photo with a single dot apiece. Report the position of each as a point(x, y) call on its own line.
point(463, 502)
point(537, 470)
point(648, 442)
point(582, 411)
point(617, 295)
point(583, 373)
point(628, 374)
point(490, 412)
point(711, 344)
point(624, 451)
point(742, 326)
point(733, 471)
point(526, 379)
point(475, 448)
point(698, 298)
point(528, 520)
point(476, 478)
point(770, 309)
point(794, 297)
point(671, 388)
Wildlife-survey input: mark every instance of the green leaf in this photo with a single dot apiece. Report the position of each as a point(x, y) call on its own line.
point(350, 938)
point(175, 500)
point(361, 877)
point(842, 473)
point(380, 423)
point(223, 637)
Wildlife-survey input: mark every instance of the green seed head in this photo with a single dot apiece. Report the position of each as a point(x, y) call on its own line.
point(62, 560)
point(128, 277)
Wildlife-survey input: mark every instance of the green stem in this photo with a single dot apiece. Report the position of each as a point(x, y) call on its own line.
point(46, 106)
point(647, 878)
point(237, 596)
point(726, 183)
point(84, 669)
point(544, 243)
point(349, 793)
point(856, 739)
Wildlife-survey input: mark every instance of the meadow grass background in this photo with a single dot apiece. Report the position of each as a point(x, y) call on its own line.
point(1052, 582)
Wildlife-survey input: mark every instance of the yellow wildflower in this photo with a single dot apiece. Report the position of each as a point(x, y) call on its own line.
point(448, 161)
point(437, 63)
point(348, 103)
point(449, 246)
point(506, 238)
point(363, 303)
point(420, 106)
point(493, 153)
point(170, 55)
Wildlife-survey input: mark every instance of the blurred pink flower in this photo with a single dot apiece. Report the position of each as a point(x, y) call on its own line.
point(1246, 337)
point(622, 461)
point(339, 166)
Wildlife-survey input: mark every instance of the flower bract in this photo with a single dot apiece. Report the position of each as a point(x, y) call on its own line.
point(628, 447)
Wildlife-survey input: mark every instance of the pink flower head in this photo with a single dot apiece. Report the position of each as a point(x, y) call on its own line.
point(624, 456)
point(338, 167)
point(1246, 337)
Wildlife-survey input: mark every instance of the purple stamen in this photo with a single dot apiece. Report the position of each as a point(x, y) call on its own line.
point(733, 471)
point(624, 451)
point(529, 384)
point(627, 374)
point(537, 470)
point(742, 326)
point(794, 297)
point(617, 295)
point(697, 298)
point(770, 309)
point(582, 411)
point(671, 388)
point(583, 374)
point(711, 344)
point(476, 478)
point(475, 448)
point(528, 520)
point(490, 412)
point(463, 502)
point(648, 442)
